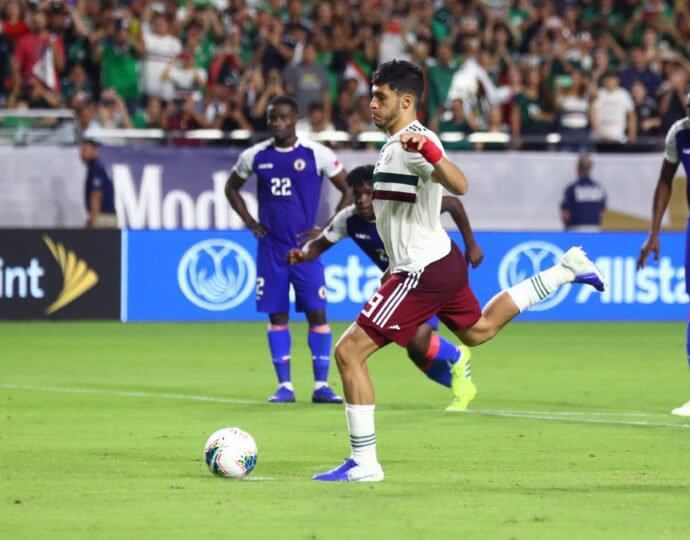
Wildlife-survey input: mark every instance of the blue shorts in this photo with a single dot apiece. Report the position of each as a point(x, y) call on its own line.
point(274, 276)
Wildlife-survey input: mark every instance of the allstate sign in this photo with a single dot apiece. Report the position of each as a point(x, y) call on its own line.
point(654, 293)
point(527, 259)
point(210, 275)
point(216, 274)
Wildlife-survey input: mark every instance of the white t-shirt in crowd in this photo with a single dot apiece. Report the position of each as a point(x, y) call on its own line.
point(184, 79)
point(160, 50)
point(611, 111)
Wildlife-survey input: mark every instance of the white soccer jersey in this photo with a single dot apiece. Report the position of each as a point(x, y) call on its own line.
point(407, 204)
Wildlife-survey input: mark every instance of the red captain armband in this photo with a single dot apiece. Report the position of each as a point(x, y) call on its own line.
point(429, 150)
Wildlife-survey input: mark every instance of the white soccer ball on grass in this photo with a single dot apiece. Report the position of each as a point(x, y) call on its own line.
point(231, 453)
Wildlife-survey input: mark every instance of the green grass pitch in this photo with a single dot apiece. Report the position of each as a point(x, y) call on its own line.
point(102, 427)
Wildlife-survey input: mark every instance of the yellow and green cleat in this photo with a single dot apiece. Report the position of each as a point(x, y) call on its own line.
point(464, 390)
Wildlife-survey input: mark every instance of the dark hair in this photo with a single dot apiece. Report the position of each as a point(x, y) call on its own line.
point(360, 176)
point(401, 76)
point(284, 100)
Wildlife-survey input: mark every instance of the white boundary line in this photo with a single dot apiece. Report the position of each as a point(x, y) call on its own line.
point(554, 416)
point(583, 417)
point(129, 393)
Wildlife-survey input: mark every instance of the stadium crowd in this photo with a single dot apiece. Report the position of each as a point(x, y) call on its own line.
point(602, 70)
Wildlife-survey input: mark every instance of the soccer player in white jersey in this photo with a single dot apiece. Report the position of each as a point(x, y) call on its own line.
point(428, 274)
point(677, 150)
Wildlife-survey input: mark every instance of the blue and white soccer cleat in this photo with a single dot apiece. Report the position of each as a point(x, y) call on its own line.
point(325, 395)
point(576, 260)
point(282, 395)
point(351, 471)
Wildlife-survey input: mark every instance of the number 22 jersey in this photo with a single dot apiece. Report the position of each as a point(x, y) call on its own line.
point(289, 182)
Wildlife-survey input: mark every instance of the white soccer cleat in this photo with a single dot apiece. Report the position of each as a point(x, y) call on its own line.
point(584, 270)
point(351, 471)
point(683, 410)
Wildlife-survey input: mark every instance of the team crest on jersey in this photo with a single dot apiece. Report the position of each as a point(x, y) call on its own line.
point(388, 158)
point(322, 292)
point(300, 164)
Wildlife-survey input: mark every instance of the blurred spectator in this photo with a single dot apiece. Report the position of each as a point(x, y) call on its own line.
point(225, 65)
point(202, 32)
point(395, 41)
point(181, 115)
point(185, 76)
point(99, 193)
point(672, 104)
point(601, 66)
point(613, 113)
point(646, 111)
point(161, 47)
point(265, 93)
point(531, 114)
point(316, 121)
point(13, 21)
point(602, 16)
point(638, 70)
point(472, 82)
point(76, 82)
point(36, 95)
point(39, 54)
point(343, 107)
point(111, 112)
point(65, 21)
point(229, 114)
point(460, 123)
point(274, 48)
point(572, 107)
point(119, 53)
point(498, 128)
point(440, 77)
point(86, 112)
point(307, 82)
point(584, 201)
point(151, 117)
point(6, 82)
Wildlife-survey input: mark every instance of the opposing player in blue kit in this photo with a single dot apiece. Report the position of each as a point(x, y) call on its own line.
point(439, 359)
point(289, 173)
point(677, 151)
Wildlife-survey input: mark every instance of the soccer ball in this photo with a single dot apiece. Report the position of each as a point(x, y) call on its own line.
point(231, 453)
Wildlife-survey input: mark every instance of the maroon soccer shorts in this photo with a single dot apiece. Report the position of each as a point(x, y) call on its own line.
point(406, 300)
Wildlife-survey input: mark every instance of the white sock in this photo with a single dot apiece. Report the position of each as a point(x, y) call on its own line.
point(320, 384)
point(288, 385)
point(533, 290)
point(360, 424)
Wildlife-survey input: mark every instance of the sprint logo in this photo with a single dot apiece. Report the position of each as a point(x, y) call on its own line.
point(77, 277)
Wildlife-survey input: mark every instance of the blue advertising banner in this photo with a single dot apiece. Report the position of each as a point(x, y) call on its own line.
point(211, 276)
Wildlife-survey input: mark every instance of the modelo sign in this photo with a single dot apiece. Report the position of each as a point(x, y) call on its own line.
point(61, 274)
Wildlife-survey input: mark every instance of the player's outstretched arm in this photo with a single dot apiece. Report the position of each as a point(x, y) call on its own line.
point(473, 252)
point(445, 171)
point(662, 195)
point(311, 250)
point(232, 192)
